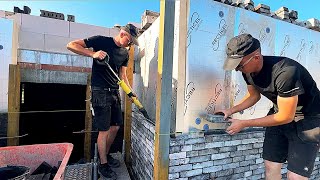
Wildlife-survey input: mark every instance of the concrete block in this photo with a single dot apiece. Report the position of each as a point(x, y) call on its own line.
point(257, 145)
point(244, 147)
point(227, 149)
point(176, 162)
point(200, 159)
point(196, 147)
point(248, 141)
point(44, 25)
point(258, 171)
point(282, 13)
point(202, 165)
point(247, 162)
point(222, 161)
point(191, 173)
point(192, 153)
point(232, 143)
point(212, 169)
point(200, 177)
point(238, 159)
point(56, 44)
point(248, 174)
point(31, 41)
point(194, 141)
point(214, 144)
point(174, 176)
point(174, 149)
point(282, 9)
point(251, 151)
point(224, 173)
point(262, 9)
point(250, 157)
point(208, 151)
point(293, 14)
point(175, 169)
point(186, 148)
point(259, 160)
point(241, 169)
point(230, 166)
point(177, 155)
point(220, 156)
point(313, 24)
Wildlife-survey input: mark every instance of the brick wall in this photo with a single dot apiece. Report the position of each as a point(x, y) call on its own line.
point(200, 156)
point(220, 156)
point(142, 147)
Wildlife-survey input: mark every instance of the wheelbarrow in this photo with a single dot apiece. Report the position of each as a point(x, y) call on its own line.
point(32, 156)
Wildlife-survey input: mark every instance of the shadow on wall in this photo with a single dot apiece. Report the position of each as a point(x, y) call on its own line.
point(148, 94)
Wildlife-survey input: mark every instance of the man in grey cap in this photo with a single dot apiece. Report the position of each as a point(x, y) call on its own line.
point(292, 124)
point(105, 90)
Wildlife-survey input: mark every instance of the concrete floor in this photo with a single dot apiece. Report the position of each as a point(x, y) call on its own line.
point(122, 171)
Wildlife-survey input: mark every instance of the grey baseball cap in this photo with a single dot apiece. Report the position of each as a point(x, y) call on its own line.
point(238, 47)
point(133, 31)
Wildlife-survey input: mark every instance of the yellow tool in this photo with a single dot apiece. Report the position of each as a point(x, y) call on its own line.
point(125, 88)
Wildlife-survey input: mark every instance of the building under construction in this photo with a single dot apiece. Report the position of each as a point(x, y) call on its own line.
point(177, 74)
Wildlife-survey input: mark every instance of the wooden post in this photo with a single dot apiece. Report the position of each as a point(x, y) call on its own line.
point(13, 104)
point(88, 122)
point(128, 109)
point(182, 56)
point(164, 90)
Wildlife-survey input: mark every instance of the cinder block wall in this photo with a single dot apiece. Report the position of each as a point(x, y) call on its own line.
point(142, 147)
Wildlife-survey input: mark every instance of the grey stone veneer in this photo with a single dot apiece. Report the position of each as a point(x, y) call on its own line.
point(200, 156)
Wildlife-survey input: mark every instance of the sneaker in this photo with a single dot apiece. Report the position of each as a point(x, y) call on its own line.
point(106, 172)
point(112, 162)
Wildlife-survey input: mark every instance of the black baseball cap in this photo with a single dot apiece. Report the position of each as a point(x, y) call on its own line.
point(238, 47)
point(133, 31)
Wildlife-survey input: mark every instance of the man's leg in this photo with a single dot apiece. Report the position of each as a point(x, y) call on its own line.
point(273, 170)
point(303, 148)
point(102, 146)
point(111, 136)
point(275, 152)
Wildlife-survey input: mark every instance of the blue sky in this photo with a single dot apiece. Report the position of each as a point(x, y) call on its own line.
point(109, 12)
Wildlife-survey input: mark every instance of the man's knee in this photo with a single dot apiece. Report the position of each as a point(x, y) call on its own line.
point(272, 168)
point(114, 129)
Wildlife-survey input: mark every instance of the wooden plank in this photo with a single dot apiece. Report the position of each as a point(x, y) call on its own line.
point(182, 38)
point(164, 90)
point(88, 122)
point(13, 104)
point(128, 109)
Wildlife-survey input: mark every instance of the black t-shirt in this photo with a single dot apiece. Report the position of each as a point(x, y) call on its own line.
point(284, 77)
point(101, 75)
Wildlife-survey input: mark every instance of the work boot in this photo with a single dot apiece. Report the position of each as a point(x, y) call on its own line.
point(112, 162)
point(106, 172)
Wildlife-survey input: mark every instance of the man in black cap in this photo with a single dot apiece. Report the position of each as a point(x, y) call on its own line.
point(105, 90)
point(292, 132)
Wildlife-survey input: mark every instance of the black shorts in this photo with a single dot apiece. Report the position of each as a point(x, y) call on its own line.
point(296, 142)
point(106, 105)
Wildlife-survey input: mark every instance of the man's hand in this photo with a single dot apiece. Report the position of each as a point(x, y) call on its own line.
point(100, 55)
point(226, 112)
point(236, 126)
